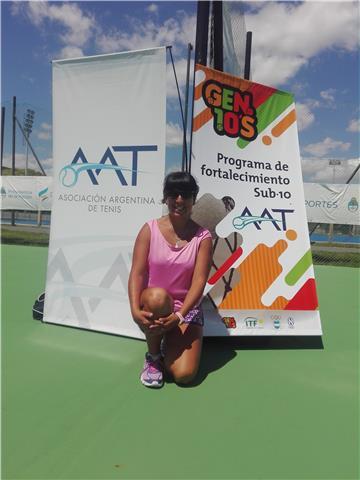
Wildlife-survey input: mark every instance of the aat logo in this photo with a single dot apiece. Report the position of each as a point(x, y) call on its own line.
point(353, 205)
point(233, 110)
point(247, 218)
point(69, 174)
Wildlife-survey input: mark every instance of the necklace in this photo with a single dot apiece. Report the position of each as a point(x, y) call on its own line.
point(179, 240)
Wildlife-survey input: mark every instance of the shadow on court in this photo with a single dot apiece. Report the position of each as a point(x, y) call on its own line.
point(218, 351)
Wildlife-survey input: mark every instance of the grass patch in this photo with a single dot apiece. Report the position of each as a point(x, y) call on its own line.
point(340, 259)
point(320, 257)
point(24, 238)
point(334, 244)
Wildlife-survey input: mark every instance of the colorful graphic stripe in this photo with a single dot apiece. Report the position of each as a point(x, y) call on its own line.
point(258, 272)
point(299, 269)
point(281, 127)
point(268, 111)
point(306, 297)
point(225, 266)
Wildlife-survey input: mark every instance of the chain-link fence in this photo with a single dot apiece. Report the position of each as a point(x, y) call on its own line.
point(337, 245)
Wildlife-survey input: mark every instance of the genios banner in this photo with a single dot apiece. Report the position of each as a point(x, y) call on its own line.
point(246, 159)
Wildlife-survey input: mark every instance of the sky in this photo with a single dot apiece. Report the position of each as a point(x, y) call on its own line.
point(310, 49)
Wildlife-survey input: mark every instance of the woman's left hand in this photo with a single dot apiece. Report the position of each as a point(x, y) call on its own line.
point(168, 323)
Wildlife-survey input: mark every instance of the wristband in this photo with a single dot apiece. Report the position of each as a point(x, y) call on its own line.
point(181, 318)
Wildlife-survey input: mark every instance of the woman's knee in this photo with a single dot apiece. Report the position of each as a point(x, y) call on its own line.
point(183, 375)
point(158, 301)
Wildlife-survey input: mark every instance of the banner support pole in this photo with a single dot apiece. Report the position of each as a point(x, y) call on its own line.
point(2, 136)
point(248, 55)
point(218, 35)
point(353, 174)
point(185, 162)
point(13, 149)
point(201, 41)
point(180, 102)
point(202, 31)
point(192, 120)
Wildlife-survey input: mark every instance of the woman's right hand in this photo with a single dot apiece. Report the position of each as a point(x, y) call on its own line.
point(143, 319)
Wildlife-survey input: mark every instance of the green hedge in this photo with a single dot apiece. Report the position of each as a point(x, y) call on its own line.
point(340, 259)
point(24, 238)
point(20, 237)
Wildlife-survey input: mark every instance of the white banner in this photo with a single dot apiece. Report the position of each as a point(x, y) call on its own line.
point(246, 159)
point(109, 118)
point(26, 193)
point(332, 203)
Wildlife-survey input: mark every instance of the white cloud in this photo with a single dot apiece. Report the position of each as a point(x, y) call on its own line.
point(319, 171)
point(28, 78)
point(286, 35)
point(299, 88)
point(180, 68)
point(20, 162)
point(354, 125)
point(45, 131)
point(174, 135)
point(312, 103)
point(328, 95)
point(44, 135)
point(325, 146)
point(71, 52)
point(304, 116)
point(77, 26)
point(15, 8)
point(152, 8)
point(145, 34)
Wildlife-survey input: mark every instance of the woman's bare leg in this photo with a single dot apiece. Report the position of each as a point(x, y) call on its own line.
point(160, 303)
point(183, 351)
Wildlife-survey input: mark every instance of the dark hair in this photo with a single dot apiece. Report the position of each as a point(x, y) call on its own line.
point(180, 182)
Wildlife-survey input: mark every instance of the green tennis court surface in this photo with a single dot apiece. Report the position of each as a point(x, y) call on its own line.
point(73, 407)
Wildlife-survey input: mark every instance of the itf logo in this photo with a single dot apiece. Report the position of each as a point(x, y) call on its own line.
point(69, 174)
point(250, 322)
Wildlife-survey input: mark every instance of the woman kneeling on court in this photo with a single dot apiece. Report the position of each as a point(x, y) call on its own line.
point(171, 263)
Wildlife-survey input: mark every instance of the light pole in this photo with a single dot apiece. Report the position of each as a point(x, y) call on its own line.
point(28, 123)
point(334, 162)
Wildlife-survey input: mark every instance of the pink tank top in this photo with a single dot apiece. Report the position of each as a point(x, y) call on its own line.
point(172, 267)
